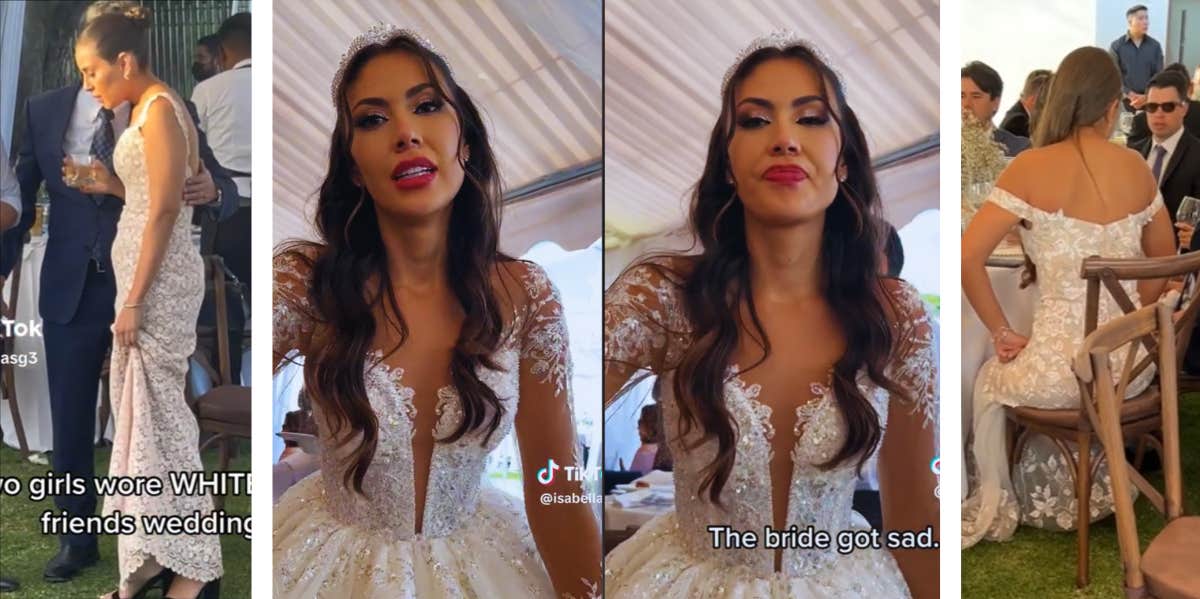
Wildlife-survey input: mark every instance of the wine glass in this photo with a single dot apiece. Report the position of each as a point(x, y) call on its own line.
point(1189, 211)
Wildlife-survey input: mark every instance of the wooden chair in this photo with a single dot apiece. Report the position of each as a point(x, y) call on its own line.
point(8, 383)
point(1140, 416)
point(1167, 570)
point(224, 410)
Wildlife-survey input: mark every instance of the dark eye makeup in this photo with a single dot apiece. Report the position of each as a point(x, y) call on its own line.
point(373, 120)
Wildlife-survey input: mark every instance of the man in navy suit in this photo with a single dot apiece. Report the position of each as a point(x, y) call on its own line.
point(77, 285)
point(981, 89)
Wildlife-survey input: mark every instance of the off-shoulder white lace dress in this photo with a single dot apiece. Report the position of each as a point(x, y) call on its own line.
point(1040, 491)
point(672, 556)
point(331, 542)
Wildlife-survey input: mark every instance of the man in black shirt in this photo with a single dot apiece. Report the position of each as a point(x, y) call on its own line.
point(1138, 55)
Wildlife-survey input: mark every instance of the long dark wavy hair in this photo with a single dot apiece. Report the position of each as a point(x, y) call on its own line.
point(349, 275)
point(717, 283)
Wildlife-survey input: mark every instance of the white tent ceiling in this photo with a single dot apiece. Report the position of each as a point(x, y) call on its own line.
point(662, 71)
point(533, 68)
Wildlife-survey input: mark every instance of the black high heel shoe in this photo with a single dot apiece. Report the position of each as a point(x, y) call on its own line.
point(211, 590)
point(161, 580)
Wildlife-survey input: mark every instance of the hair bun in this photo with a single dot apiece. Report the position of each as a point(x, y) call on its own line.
point(140, 15)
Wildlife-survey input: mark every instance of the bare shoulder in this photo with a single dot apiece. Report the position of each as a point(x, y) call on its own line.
point(1025, 168)
point(161, 107)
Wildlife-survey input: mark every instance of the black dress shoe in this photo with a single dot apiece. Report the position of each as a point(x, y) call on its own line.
point(8, 585)
point(69, 561)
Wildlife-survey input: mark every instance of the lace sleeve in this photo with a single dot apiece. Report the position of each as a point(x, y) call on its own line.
point(545, 427)
point(544, 344)
point(643, 326)
point(292, 316)
point(914, 364)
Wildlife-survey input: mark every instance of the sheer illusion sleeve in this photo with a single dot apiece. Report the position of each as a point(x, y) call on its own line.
point(907, 484)
point(644, 327)
point(545, 427)
point(914, 363)
point(292, 316)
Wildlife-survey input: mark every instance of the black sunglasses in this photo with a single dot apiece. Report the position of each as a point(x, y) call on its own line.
point(1167, 107)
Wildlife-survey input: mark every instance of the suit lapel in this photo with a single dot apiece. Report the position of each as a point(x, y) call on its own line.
point(58, 127)
point(1177, 156)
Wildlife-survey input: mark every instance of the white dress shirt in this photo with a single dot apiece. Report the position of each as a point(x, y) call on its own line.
point(85, 117)
point(223, 103)
point(10, 192)
point(1168, 144)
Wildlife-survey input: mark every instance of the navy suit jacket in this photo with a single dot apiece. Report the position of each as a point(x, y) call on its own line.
point(1013, 144)
point(80, 226)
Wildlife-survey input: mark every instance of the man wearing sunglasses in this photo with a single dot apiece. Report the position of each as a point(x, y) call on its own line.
point(1139, 132)
point(1172, 153)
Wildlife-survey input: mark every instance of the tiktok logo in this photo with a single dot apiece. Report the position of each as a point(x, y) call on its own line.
point(935, 466)
point(546, 475)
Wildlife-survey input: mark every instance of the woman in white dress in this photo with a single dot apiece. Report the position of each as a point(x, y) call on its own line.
point(782, 353)
point(160, 285)
point(1074, 195)
point(423, 348)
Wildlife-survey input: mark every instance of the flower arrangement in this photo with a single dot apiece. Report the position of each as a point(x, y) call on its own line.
point(982, 161)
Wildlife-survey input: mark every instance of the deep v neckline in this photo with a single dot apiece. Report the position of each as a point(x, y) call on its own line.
point(805, 414)
point(406, 395)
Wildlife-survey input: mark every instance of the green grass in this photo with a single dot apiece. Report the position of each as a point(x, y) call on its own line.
point(24, 551)
point(1041, 564)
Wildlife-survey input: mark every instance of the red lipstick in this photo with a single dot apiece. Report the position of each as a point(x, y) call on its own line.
point(414, 173)
point(786, 174)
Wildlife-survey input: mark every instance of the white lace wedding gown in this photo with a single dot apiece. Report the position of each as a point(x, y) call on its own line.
point(330, 542)
point(155, 430)
point(672, 556)
point(1042, 494)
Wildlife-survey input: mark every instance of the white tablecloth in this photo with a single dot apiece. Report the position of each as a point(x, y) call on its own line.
point(977, 347)
point(619, 518)
point(33, 389)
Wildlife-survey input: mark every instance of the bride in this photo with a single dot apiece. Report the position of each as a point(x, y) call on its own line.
point(783, 355)
point(1075, 195)
point(160, 285)
point(423, 348)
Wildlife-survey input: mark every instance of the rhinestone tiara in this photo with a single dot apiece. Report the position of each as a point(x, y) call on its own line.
point(780, 40)
point(379, 34)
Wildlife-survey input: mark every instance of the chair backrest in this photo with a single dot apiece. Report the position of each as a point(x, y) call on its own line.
point(1110, 272)
point(214, 271)
point(1103, 393)
point(10, 302)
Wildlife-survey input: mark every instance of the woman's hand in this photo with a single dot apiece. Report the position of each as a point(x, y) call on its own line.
point(1008, 344)
point(125, 329)
point(102, 181)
